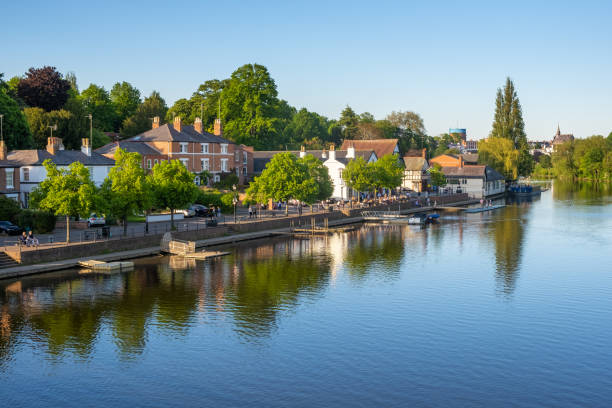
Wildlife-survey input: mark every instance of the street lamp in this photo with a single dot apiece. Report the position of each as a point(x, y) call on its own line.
point(235, 201)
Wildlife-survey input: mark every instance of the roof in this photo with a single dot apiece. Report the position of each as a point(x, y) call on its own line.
point(473, 172)
point(562, 138)
point(167, 133)
point(132, 147)
point(470, 158)
point(261, 158)
point(415, 153)
point(9, 164)
point(61, 158)
point(381, 147)
point(414, 163)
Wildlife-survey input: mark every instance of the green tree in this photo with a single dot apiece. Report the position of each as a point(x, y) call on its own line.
point(97, 101)
point(322, 182)
point(126, 99)
point(349, 122)
point(388, 172)
point(68, 192)
point(15, 127)
point(140, 122)
point(358, 175)
point(172, 186)
point(181, 108)
point(410, 129)
point(126, 191)
point(306, 128)
point(436, 177)
point(500, 154)
point(284, 178)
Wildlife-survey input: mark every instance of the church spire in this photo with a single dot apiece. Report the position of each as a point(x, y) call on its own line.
point(558, 129)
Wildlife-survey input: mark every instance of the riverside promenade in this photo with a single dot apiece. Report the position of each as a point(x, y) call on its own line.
point(58, 256)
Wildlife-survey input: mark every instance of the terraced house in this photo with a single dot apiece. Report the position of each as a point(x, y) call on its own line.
point(197, 149)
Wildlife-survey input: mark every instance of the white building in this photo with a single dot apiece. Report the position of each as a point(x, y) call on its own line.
point(336, 163)
point(478, 181)
point(32, 171)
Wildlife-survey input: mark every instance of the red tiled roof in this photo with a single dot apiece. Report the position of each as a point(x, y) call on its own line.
point(380, 146)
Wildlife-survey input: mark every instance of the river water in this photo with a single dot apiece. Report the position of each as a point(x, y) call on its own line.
point(507, 308)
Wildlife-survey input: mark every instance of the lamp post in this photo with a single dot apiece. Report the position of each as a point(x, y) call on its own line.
point(235, 201)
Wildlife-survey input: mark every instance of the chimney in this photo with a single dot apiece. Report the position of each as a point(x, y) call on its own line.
point(54, 144)
point(85, 146)
point(218, 127)
point(156, 122)
point(302, 152)
point(197, 125)
point(3, 150)
point(350, 152)
point(332, 152)
point(177, 123)
point(323, 154)
point(424, 153)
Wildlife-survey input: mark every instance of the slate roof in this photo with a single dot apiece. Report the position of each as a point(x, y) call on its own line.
point(132, 147)
point(61, 158)
point(380, 146)
point(9, 164)
point(470, 158)
point(414, 163)
point(167, 133)
point(472, 172)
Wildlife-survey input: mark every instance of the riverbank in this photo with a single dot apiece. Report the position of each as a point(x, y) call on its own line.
point(226, 235)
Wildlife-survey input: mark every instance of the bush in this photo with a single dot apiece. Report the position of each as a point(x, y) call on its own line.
point(227, 181)
point(9, 209)
point(41, 222)
point(227, 202)
point(215, 198)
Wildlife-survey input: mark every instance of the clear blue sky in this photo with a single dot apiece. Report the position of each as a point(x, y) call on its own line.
point(444, 60)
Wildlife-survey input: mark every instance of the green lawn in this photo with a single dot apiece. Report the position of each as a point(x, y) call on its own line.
point(136, 218)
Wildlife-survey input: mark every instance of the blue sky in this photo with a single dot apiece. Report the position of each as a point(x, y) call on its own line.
point(444, 60)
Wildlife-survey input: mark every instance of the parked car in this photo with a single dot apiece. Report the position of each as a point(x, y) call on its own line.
point(96, 220)
point(199, 210)
point(188, 212)
point(10, 228)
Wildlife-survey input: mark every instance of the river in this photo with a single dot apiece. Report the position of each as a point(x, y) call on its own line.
point(507, 308)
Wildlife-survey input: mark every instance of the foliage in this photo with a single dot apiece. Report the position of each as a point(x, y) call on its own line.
point(227, 181)
point(125, 191)
point(126, 100)
point(9, 209)
point(358, 175)
point(68, 192)
point(436, 177)
point(172, 186)
point(308, 127)
point(349, 122)
point(39, 122)
point(97, 102)
point(499, 153)
point(208, 197)
point(140, 121)
point(44, 88)
point(586, 159)
point(319, 173)
point(388, 172)
point(41, 222)
point(227, 202)
point(15, 129)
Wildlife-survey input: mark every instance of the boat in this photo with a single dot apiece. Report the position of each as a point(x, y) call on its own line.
point(422, 218)
point(524, 190)
point(483, 209)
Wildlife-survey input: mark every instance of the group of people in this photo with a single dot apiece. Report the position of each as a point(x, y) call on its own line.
point(28, 239)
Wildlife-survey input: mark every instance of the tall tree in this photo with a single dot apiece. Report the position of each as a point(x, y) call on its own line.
point(306, 128)
point(68, 192)
point(500, 154)
point(154, 105)
point(172, 186)
point(44, 88)
point(349, 122)
point(126, 99)
point(15, 129)
point(97, 101)
point(126, 191)
point(410, 129)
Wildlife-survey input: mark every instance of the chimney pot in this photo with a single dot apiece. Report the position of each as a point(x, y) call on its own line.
point(156, 122)
point(54, 144)
point(197, 125)
point(3, 150)
point(177, 123)
point(218, 127)
point(85, 146)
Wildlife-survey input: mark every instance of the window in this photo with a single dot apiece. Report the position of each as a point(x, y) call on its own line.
point(26, 174)
point(244, 171)
point(237, 171)
point(204, 147)
point(340, 173)
point(245, 157)
point(224, 148)
point(156, 161)
point(217, 178)
point(223, 164)
point(183, 147)
point(149, 164)
point(185, 162)
point(10, 175)
point(236, 155)
point(204, 163)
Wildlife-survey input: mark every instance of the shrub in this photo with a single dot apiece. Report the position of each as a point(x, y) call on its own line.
point(209, 198)
point(9, 209)
point(227, 202)
point(227, 181)
point(41, 222)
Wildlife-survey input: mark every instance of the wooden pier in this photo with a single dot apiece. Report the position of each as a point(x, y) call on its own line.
point(101, 266)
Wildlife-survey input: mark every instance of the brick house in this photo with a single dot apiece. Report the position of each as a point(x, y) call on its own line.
point(9, 175)
point(197, 149)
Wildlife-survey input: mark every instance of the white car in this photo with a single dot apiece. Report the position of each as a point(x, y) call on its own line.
point(96, 220)
point(187, 213)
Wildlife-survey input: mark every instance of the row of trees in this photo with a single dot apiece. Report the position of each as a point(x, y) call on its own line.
point(586, 159)
point(125, 192)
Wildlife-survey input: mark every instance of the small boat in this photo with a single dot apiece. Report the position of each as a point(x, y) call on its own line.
point(524, 190)
point(422, 218)
point(483, 209)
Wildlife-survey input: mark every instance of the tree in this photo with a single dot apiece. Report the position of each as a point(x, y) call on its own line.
point(388, 172)
point(319, 173)
point(250, 107)
point(67, 127)
point(306, 128)
point(500, 154)
point(140, 121)
point(357, 175)
point(410, 129)
point(172, 186)
point(68, 192)
point(97, 101)
point(126, 99)
point(283, 178)
point(125, 190)
point(508, 123)
point(436, 177)
point(349, 122)
point(14, 124)
point(44, 88)
point(181, 108)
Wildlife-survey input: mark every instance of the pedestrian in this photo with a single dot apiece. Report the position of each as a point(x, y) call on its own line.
point(250, 212)
point(218, 211)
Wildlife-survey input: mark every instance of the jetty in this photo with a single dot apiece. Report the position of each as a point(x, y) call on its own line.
point(483, 209)
point(186, 249)
point(101, 266)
